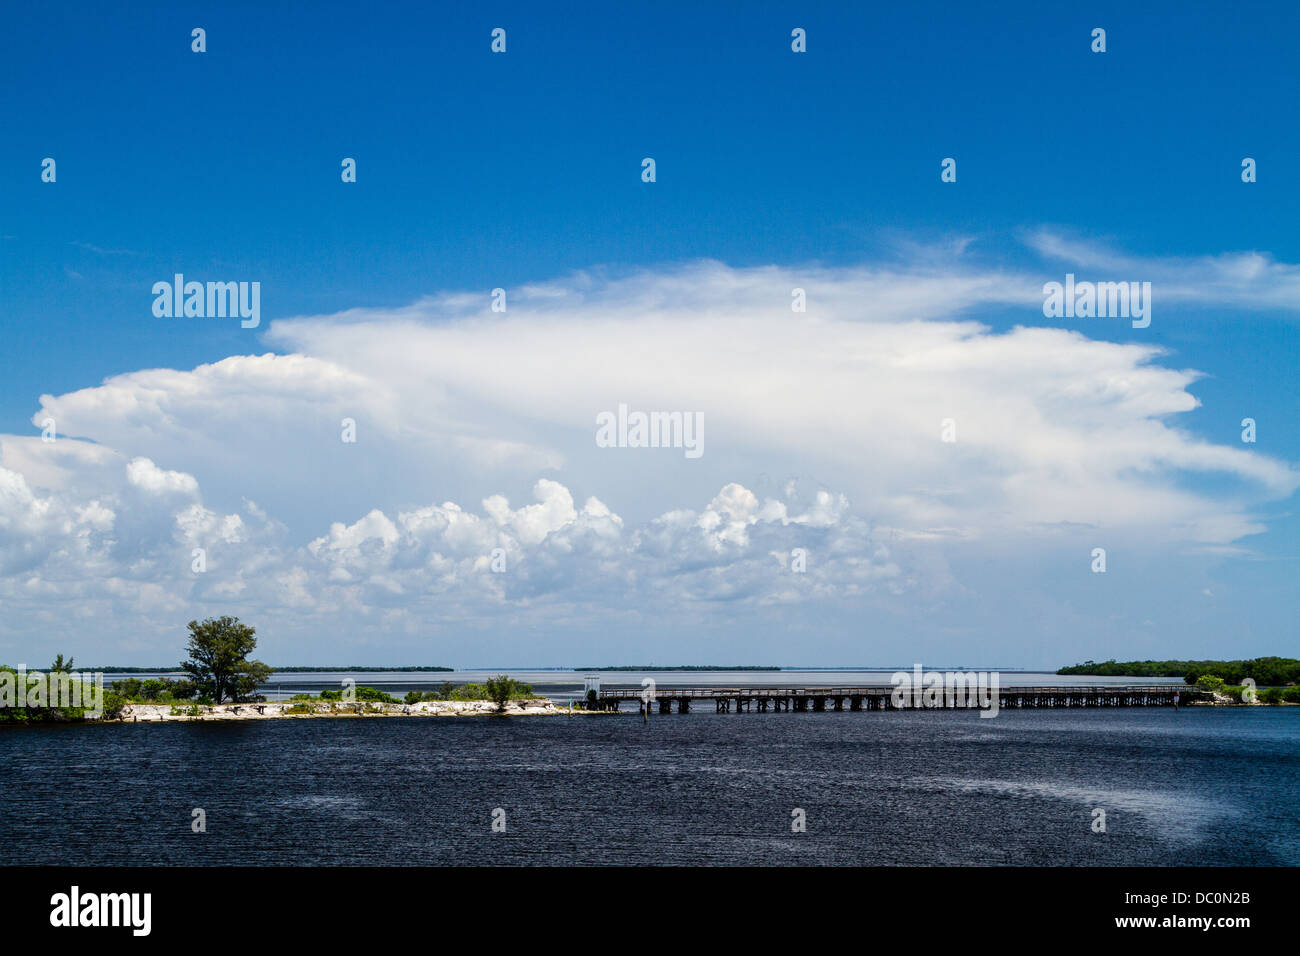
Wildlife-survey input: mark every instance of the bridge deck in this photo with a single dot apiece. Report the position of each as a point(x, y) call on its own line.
point(881, 697)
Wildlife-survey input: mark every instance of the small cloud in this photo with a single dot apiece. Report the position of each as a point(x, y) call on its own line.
point(144, 474)
point(100, 250)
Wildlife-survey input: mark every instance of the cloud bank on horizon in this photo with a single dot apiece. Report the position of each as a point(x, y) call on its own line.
point(475, 520)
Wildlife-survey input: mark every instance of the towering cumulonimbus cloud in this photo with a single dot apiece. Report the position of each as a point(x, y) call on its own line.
point(883, 430)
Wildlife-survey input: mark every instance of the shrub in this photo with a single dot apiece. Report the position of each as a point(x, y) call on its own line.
point(161, 690)
point(114, 703)
point(512, 689)
point(416, 696)
point(370, 694)
point(498, 689)
point(374, 695)
point(128, 687)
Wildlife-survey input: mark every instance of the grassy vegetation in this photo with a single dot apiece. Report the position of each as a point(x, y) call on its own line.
point(156, 690)
point(502, 685)
point(371, 695)
point(499, 689)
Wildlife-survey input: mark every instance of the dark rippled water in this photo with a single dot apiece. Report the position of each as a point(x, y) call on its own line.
point(1197, 786)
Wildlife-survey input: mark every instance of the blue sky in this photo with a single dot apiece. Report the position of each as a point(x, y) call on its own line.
point(478, 170)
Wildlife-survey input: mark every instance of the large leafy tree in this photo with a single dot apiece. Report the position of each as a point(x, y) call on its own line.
point(219, 665)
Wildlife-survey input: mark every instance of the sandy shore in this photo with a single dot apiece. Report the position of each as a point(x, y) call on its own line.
point(307, 710)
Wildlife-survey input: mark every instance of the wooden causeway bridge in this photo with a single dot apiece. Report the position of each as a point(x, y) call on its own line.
point(801, 699)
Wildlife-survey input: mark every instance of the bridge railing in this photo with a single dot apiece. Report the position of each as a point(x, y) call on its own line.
point(878, 690)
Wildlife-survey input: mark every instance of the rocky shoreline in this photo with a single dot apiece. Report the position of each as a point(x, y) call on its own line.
point(311, 710)
point(1217, 699)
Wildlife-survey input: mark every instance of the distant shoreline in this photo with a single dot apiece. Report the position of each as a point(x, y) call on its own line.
point(678, 667)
